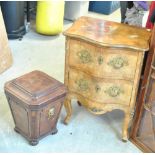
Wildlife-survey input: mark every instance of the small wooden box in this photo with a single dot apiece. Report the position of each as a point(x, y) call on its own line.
point(35, 100)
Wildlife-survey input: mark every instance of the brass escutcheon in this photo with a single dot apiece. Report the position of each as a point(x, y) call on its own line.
point(100, 60)
point(97, 88)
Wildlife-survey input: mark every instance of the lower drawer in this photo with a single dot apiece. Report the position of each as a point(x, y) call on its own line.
point(105, 91)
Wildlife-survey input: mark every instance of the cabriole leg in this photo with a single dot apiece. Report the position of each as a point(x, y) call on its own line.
point(68, 107)
point(125, 127)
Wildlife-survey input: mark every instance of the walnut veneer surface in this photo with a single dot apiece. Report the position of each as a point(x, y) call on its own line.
point(103, 66)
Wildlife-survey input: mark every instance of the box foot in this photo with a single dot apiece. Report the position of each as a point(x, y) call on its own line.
point(33, 142)
point(15, 129)
point(54, 131)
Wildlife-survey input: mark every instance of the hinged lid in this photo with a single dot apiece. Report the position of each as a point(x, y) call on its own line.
point(36, 86)
point(108, 33)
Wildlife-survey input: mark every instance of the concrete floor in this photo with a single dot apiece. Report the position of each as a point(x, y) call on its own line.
point(86, 132)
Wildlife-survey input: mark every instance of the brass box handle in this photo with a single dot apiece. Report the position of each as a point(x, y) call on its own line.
point(51, 113)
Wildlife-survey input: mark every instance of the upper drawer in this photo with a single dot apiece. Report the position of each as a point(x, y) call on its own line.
point(103, 62)
point(104, 91)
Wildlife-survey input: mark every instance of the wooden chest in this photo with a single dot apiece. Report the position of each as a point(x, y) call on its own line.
point(35, 100)
point(103, 66)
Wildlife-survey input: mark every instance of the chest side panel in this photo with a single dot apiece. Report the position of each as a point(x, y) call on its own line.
point(48, 117)
point(20, 115)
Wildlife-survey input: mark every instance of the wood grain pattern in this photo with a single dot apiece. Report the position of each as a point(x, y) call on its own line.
point(103, 66)
point(108, 33)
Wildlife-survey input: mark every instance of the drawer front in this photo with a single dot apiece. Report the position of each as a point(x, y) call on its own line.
point(104, 91)
point(103, 62)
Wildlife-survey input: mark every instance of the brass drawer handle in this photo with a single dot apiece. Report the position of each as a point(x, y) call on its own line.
point(100, 60)
point(84, 56)
point(114, 91)
point(82, 84)
point(118, 62)
point(51, 113)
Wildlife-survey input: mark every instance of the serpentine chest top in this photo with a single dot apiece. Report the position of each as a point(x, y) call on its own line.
point(103, 66)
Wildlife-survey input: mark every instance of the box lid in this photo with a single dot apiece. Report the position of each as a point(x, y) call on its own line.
point(108, 33)
point(36, 87)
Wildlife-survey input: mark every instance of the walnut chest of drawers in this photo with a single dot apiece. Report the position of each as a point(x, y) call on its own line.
point(103, 66)
point(35, 100)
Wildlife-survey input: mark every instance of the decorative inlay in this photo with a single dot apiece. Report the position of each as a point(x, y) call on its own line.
point(95, 110)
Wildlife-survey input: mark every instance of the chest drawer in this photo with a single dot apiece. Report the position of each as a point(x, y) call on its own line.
point(100, 90)
point(116, 63)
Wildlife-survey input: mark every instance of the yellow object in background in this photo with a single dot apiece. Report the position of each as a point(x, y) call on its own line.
point(49, 18)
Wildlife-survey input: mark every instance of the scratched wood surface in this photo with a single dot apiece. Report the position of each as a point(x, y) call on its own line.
point(108, 33)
